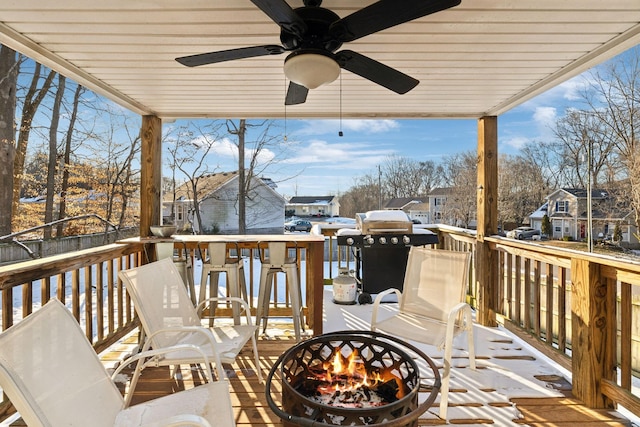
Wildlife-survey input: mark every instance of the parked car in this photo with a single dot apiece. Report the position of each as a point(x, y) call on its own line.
point(297, 225)
point(522, 233)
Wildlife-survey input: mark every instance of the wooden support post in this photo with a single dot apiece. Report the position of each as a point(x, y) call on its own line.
point(486, 260)
point(593, 333)
point(150, 174)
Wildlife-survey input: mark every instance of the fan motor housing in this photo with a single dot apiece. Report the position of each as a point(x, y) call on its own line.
point(317, 36)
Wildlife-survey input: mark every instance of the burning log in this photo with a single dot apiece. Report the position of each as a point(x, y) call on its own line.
point(347, 383)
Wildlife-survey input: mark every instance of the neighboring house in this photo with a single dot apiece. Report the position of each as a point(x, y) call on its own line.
point(218, 203)
point(437, 205)
point(447, 205)
point(567, 211)
point(313, 206)
point(417, 208)
point(535, 219)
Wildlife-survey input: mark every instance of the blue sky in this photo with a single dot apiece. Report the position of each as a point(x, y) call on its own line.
point(320, 162)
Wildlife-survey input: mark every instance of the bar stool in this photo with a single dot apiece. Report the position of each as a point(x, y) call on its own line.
point(219, 260)
point(181, 261)
point(274, 262)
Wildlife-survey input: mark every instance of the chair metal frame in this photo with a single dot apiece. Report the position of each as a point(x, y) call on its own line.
point(432, 307)
point(53, 377)
point(168, 318)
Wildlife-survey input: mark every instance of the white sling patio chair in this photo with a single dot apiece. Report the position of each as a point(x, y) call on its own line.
point(432, 307)
point(53, 377)
point(169, 318)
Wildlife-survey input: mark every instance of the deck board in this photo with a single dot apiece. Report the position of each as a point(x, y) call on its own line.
point(251, 408)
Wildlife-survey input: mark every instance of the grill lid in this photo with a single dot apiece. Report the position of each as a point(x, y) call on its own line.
point(384, 221)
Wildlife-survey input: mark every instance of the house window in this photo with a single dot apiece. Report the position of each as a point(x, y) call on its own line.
point(557, 229)
point(566, 230)
point(562, 206)
point(179, 213)
point(438, 215)
point(439, 201)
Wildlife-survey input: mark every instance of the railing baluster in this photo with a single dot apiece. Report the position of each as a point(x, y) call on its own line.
point(562, 310)
point(550, 306)
point(88, 302)
point(536, 297)
point(99, 306)
point(111, 288)
point(518, 292)
point(626, 312)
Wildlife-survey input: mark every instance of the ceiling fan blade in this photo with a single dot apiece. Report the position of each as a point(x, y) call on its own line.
point(229, 55)
point(385, 14)
point(296, 94)
point(282, 14)
point(375, 71)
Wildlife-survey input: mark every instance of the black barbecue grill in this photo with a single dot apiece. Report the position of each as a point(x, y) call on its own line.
point(381, 243)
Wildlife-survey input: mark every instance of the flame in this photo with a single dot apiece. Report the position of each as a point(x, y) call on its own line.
point(349, 374)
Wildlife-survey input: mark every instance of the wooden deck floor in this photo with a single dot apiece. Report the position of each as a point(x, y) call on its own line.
point(251, 409)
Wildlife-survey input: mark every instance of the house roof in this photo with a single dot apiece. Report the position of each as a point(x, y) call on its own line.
point(310, 200)
point(402, 202)
point(581, 193)
point(481, 58)
point(540, 212)
point(420, 207)
point(206, 185)
point(441, 191)
point(209, 184)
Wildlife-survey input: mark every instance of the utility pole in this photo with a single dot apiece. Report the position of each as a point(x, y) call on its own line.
point(589, 201)
point(379, 188)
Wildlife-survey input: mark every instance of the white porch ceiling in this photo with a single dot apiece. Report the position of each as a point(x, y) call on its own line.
point(483, 57)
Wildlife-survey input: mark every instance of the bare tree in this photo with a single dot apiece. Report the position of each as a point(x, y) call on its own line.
point(614, 98)
point(261, 153)
point(405, 177)
point(583, 137)
point(62, 211)
point(9, 68)
point(521, 189)
point(53, 155)
point(188, 151)
point(363, 196)
point(34, 95)
point(460, 173)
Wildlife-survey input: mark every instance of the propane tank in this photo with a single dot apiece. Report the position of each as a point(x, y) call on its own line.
point(345, 288)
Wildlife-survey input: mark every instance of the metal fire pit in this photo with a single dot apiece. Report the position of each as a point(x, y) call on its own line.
point(376, 350)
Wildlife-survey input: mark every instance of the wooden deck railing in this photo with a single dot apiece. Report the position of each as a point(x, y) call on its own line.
point(574, 306)
point(105, 312)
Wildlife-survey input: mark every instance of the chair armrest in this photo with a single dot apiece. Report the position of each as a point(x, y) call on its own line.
point(197, 329)
point(243, 303)
point(462, 306)
point(451, 321)
point(378, 300)
point(181, 420)
point(162, 351)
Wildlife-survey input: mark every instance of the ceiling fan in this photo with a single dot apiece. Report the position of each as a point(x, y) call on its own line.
point(313, 34)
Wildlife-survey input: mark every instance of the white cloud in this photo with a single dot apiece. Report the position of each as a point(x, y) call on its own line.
point(545, 119)
point(322, 127)
point(545, 116)
point(516, 142)
point(319, 153)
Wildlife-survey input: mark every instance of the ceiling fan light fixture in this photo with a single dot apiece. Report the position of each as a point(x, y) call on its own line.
point(311, 69)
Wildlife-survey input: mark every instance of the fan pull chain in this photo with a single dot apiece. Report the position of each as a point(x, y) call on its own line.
point(340, 131)
point(285, 111)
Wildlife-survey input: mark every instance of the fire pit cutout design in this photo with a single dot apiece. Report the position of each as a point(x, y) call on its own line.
point(351, 378)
